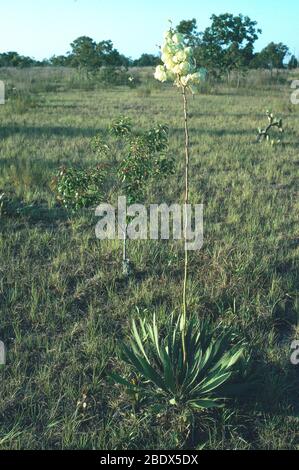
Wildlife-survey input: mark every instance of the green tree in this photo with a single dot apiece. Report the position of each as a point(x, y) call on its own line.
point(84, 52)
point(108, 55)
point(272, 56)
point(228, 43)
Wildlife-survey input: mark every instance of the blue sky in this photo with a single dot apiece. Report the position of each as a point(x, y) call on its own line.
point(42, 28)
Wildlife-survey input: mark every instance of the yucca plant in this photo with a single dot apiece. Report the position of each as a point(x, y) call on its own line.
point(162, 374)
point(180, 67)
point(187, 365)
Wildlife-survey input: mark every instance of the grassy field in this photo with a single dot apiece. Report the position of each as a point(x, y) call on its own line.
point(64, 304)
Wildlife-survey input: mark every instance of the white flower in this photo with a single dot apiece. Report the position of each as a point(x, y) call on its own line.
point(160, 73)
point(179, 64)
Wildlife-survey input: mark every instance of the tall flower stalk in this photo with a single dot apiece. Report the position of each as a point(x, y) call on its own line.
point(179, 66)
point(187, 160)
point(168, 368)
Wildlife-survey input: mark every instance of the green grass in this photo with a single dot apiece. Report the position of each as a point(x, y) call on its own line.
point(64, 305)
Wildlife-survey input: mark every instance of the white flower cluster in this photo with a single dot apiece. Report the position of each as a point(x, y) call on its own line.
point(179, 64)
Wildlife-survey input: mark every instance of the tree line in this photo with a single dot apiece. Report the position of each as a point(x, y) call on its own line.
point(224, 46)
point(85, 53)
point(228, 44)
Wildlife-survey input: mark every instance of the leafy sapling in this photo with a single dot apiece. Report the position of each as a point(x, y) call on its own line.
point(273, 122)
point(145, 160)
